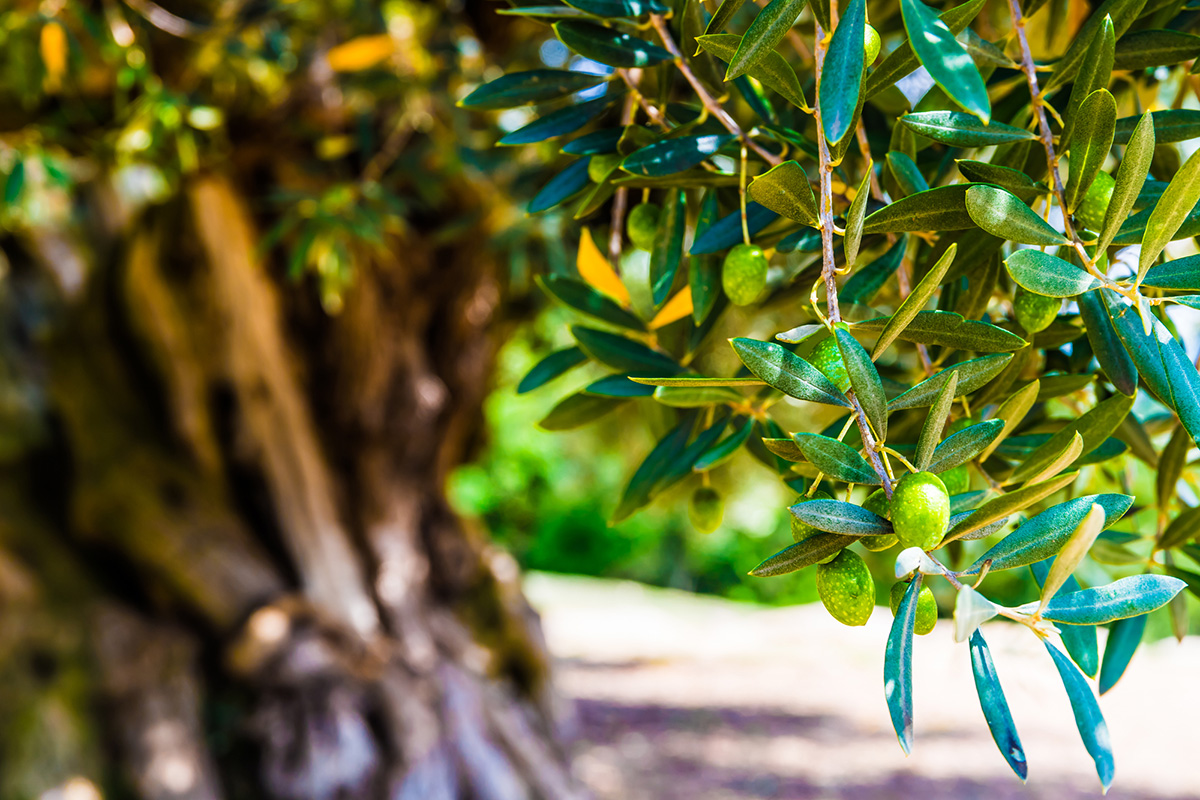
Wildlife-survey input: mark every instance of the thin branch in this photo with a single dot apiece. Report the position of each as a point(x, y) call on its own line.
point(621, 198)
point(632, 78)
point(713, 107)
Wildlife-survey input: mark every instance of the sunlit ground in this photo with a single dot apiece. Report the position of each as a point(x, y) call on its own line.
point(682, 696)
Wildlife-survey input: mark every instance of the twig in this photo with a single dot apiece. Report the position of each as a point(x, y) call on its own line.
point(621, 198)
point(714, 108)
point(828, 265)
point(632, 78)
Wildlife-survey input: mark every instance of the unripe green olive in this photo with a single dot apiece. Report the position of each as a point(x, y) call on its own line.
point(744, 274)
point(926, 607)
point(642, 224)
point(920, 510)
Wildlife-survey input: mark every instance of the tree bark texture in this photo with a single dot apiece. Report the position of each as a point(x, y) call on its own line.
point(227, 567)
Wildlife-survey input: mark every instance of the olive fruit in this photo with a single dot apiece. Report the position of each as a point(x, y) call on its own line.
point(827, 358)
point(642, 225)
point(926, 607)
point(957, 479)
point(706, 509)
point(1035, 312)
point(801, 530)
point(1094, 205)
point(744, 274)
point(846, 588)
point(920, 510)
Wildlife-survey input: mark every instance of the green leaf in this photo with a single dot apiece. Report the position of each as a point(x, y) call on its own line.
point(841, 76)
point(723, 450)
point(1155, 48)
point(957, 129)
point(1129, 179)
point(608, 46)
point(947, 62)
point(1184, 528)
point(865, 381)
point(1172, 208)
point(908, 176)
point(550, 368)
point(1011, 412)
point(1080, 640)
point(903, 60)
point(786, 449)
point(866, 281)
point(559, 123)
point(1043, 535)
point(667, 254)
point(697, 381)
point(1042, 273)
point(584, 298)
point(812, 550)
point(1123, 639)
point(948, 329)
point(721, 18)
point(554, 12)
point(617, 386)
point(767, 30)
point(1090, 143)
point(995, 706)
point(785, 190)
point(1170, 126)
point(1008, 504)
point(1094, 73)
point(943, 208)
point(621, 353)
point(619, 8)
point(897, 665)
point(727, 231)
point(695, 397)
point(640, 489)
point(1128, 597)
point(578, 409)
point(1001, 213)
point(1072, 553)
point(562, 186)
point(772, 69)
point(669, 156)
point(1170, 467)
point(1106, 345)
point(1182, 274)
point(971, 376)
point(704, 272)
point(1088, 719)
point(836, 459)
point(834, 516)
point(1013, 180)
point(935, 423)
point(855, 216)
point(1121, 14)
point(1095, 426)
point(912, 305)
point(535, 86)
point(601, 142)
point(963, 446)
point(787, 372)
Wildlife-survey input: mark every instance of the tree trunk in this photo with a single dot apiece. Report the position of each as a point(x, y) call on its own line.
point(230, 568)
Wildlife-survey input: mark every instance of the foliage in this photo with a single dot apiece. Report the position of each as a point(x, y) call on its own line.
point(936, 202)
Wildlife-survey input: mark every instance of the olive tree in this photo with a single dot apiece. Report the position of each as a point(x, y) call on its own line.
point(973, 246)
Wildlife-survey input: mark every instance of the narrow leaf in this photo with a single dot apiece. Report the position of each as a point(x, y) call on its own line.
point(785, 189)
point(1001, 213)
point(772, 69)
point(940, 209)
point(669, 156)
point(1042, 273)
point(948, 329)
point(1124, 636)
point(621, 353)
point(865, 381)
point(935, 423)
point(897, 666)
point(1106, 345)
point(957, 129)
point(947, 62)
point(995, 706)
point(1127, 597)
point(855, 216)
point(903, 60)
point(1135, 166)
point(767, 30)
point(803, 554)
point(535, 86)
point(841, 77)
point(1008, 504)
point(836, 459)
point(971, 376)
point(835, 516)
point(584, 298)
point(608, 46)
point(963, 446)
point(1094, 73)
point(1088, 719)
point(1172, 208)
point(1011, 412)
point(787, 372)
point(915, 301)
point(550, 368)
point(1072, 553)
point(1090, 143)
point(1093, 427)
point(1080, 640)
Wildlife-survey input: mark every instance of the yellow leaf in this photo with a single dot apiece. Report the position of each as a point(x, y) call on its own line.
point(594, 268)
point(361, 53)
point(676, 309)
point(53, 47)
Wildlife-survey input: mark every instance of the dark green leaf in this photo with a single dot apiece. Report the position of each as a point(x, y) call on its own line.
point(619, 8)
point(1124, 636)
point(563, 185)
point(971, 376)
point(1182, 274)
point(1013, 180)
point(897, 665)
point(697, 381)
point(723, 450)
point(535, 86)
point(1170, 126)
point(846, 519)
point(1095, 426)
point(618, 386)
point(1042, 273)
point(865, 381)
point(836, 459)
point(1001, 213)
point(854, 218)
point(906, 173)
point(995, 706)
point(1106, 345)
point(15, 183)
point(1173, 207)
point(812, 550)
point(674, 155)
point(912, 305)
point(640, 490)
point(903, 60)
point(945, 59)
point(624, 354)
point(1008, 504)
point(787, 372)
point(1155, 48)
point(704, 271)
point(935, 423)
point(867, 281)
point(1043, 535)
point(582, 297)
point(772, 70)
point(721, 18)
point(841, 76)
point(608, 46)
point(786, 191)
point(943, 208)
point(961, 447)
point(1121, 13)
point(599, 142)
point(550, 368)
point(667, 254)
point(1128, 597)
point(578, 409)
point(1170, 467)
point(1090, 144)
point(1094, 73)
point(947, 329)
point(559, 123)
point(727, 231)
point(767, 30)
point(554, 12)
point(1088, 719)
point(1184, 528)
point(694, 397)
point(1080, 640)
point(962, 130)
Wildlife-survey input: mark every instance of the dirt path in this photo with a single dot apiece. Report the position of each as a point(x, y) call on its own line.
point(685, 697)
